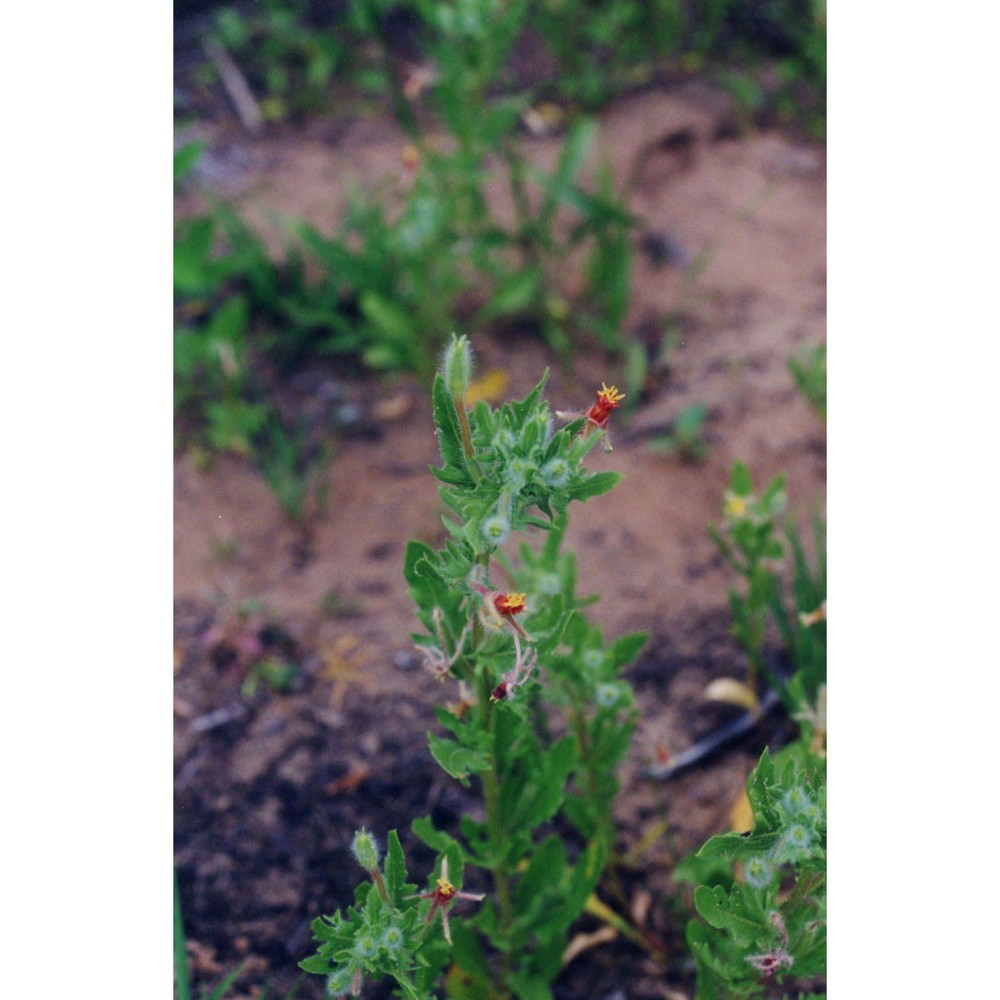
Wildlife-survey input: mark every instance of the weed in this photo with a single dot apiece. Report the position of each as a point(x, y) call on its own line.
point(290, 51)
point(749, 543)
point(292, 470)
point(336, 606)
point(687, 438)
point(809, 372)
point(761, 896)
point(516, 656)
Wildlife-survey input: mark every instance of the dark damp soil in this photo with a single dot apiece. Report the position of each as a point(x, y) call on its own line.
point(270, 789)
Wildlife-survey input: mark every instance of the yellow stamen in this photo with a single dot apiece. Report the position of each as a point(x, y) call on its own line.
point(736, 506)
point(445, 887)
point(612, 395)
point(511, 603)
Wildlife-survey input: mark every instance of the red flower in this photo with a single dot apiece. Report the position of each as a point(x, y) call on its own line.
point(608, 400)
point(509, 604)
point(499, 607)
point(443, 896)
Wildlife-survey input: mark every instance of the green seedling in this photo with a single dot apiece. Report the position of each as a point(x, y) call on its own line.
point(750, 544)
point(809, 372)
point(687, 438)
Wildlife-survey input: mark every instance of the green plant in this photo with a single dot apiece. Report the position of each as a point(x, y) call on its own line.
point(540, 721)
point(514, 267)
point(291, 470)
point(291, 51)
point(809, 372)
point(604, 47)
point(223, 276)
point(687, 438)
point(800, 615)
point(749, 544)
point(762, 896)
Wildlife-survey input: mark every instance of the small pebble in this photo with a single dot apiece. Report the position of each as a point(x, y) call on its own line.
point(404, 660)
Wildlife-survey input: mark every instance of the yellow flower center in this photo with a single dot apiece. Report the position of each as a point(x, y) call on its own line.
point(445, 888)
point(612, 395)
point(736, 506)
point(510, 604)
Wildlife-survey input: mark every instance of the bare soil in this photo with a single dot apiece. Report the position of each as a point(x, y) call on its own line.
point(269, 789)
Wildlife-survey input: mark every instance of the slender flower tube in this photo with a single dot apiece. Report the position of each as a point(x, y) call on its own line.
point(443, 895)
point(608, 400)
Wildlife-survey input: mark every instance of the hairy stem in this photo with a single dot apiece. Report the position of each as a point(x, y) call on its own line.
point(467, 449)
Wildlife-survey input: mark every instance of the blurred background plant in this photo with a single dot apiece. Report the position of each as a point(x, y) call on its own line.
point(809, 372)
point(686, 439)
point(413, 259)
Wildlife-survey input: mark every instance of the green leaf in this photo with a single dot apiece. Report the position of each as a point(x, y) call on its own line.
point(392, 323)
point(467, 952)
point(395, 868)
point(514, 294)
point(546, 870)
point(626, 649)
point(322, 930)
point(457, 760)
point(595, 485)
point(229, 322)
point(532, 810)
point(186, 157)
point(728, 912)
point(742, 482)
point(765, 815)
point(192, 258)
point(452, 476)
point(317, 964)
point(181, 974)
point(223, 988)
point(435, 839)
point(446, 421)
point(419, 563)
point(558, 186)
point(736, 847)
point(407, 987)
point(529, 987)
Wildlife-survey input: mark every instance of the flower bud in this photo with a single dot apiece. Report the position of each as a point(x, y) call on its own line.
point(758, 872)
point(338, 984)
point(364, 847)
point(496, 528)
point(606, 695)
point(457, 367)
point(556, 472)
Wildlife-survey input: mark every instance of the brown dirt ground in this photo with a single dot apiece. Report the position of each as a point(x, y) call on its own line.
point(268, 792)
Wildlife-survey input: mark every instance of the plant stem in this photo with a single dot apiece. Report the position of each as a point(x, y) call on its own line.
point(467, 449)
point(491, 795)
point(380, 885)
point(495, 826)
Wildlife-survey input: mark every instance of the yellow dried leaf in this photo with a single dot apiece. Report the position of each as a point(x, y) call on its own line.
point(735, 692)
point(741, 815)
point(581, 942)
point(392, 408)
point(491, 386)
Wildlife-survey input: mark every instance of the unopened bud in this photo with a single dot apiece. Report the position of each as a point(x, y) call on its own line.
point(364, 847)
point(457, 366)
point(496, 528)
point(556, 472)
